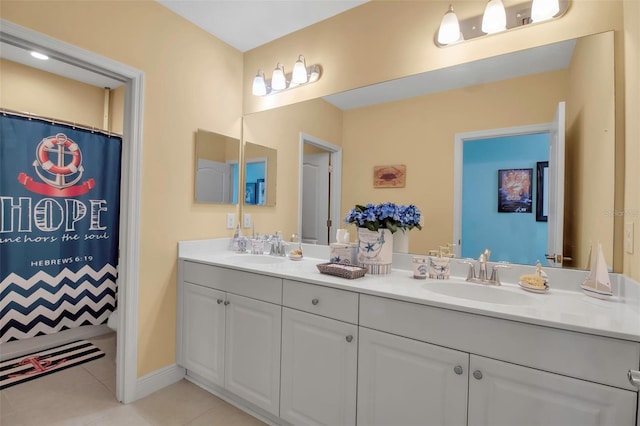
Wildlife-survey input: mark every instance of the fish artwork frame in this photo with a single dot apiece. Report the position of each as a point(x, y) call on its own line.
point(393, 176)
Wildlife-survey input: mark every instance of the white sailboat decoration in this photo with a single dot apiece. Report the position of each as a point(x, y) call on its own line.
point(597, 283)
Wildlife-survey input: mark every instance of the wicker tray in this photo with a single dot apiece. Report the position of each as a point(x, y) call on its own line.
point(342, 270)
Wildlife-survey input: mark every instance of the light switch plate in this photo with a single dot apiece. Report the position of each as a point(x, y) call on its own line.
point(231, 220)
point(628, 237)
point(246, 220)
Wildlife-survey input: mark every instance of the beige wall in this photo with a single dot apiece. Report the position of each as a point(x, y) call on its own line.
point(631, 212)
point(590, 150)
point(280, 129)
point(419, 132)
point(31, 90)
point(192, 80)
point(384, 40)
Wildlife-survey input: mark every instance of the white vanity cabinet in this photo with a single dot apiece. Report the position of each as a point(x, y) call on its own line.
point(407, 382)
point(319, 355)
point(523, 378)
point(203, 332)
point(503, 394)
point(232, 340)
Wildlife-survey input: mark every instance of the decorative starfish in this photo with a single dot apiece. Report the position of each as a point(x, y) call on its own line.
point(369, 247)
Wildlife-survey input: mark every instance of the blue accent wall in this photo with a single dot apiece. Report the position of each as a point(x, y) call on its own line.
point(512, 237)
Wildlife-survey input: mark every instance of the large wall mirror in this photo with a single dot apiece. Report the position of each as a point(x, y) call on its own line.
point(414, 121)
point(260, 165)
point(217, 166)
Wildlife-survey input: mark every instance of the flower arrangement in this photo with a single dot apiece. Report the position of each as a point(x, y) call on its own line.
point(385, 216)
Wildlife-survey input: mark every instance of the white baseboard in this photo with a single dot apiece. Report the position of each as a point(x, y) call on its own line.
point(157, 380)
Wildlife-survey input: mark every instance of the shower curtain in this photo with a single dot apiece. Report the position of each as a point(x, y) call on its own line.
point(59, 211)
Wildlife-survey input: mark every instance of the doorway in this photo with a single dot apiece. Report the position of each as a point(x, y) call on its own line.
point(319, 190)
point(130, 193)
point(556, 194)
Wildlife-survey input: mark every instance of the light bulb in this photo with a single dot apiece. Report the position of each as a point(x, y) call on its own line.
point(449, 31)
point(541, 10)
point(299, 75)
point(259, 85)
point(495, 18)
point(278, 81)
point(39, 55)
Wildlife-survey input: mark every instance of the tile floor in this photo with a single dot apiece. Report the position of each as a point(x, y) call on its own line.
point(85, 395)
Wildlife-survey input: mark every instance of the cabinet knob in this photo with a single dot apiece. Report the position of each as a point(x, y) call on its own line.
point(219, 301)
point(477, 374)
point(349, 338)
point(458, 369)
point(634, 378)
point(315, 302)
point(226, 302)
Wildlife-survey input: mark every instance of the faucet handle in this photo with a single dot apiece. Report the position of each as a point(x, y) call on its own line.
point(494, 272)
point(471, 274)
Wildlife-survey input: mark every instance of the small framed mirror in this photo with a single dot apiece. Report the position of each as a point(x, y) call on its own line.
point(217, 167)
point(260, 165)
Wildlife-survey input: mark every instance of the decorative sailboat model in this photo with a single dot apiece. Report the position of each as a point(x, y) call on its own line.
point(597, 283)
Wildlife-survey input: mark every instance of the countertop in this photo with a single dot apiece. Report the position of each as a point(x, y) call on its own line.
point(564, 306)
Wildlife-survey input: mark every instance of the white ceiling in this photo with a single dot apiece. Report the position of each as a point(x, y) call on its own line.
point(246, 24)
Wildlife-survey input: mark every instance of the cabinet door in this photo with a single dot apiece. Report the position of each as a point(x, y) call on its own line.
point(407, 382)
point(203, 332)
point(253, 351)
point(506, 394)
point(319, 367)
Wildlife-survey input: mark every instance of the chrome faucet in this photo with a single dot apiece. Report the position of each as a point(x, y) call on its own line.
point(483, 259)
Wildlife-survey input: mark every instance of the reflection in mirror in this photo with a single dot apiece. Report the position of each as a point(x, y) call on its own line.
point(260, 165)
point(216, 177)
point(415, 124)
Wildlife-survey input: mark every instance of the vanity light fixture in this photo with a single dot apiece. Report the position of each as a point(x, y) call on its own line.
point(541, 10)
point(449, 31)
point(259, 84)
point(280, 81)
point(496, 18)
point(299, 75)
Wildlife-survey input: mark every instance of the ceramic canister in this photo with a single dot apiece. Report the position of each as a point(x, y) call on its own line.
point(420, 270)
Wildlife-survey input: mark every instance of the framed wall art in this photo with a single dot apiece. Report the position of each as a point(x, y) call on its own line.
point(393, 176)
point(514, 191)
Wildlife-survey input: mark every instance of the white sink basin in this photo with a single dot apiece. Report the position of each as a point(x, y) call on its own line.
point(256, 259)
point(480, 293)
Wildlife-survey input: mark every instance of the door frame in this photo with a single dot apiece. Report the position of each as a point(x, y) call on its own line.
point(336, 179)
point(130, 188)
point(459, 140)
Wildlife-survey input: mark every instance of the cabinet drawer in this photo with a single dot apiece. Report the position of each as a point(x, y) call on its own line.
point(256, 286)
point(585, 356)
point(329, 302)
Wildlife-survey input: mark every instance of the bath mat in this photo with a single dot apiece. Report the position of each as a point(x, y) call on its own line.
point(29, 367)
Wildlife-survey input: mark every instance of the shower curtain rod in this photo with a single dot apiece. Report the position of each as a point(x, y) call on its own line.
point(5, 111)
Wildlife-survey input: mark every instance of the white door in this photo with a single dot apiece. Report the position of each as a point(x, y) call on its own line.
point(503, 394)
point(319, 367)
point(315, 198)
point(213, 182)
point(555, 218)
point(203, 332)
point(252, 356)
point(406, 382)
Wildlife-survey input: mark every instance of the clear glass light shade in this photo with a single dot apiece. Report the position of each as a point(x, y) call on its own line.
point(495, 18)
point(278, 81)
point(299, 75)
point(259, 85)
point(541, 10)
point(449, 31)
